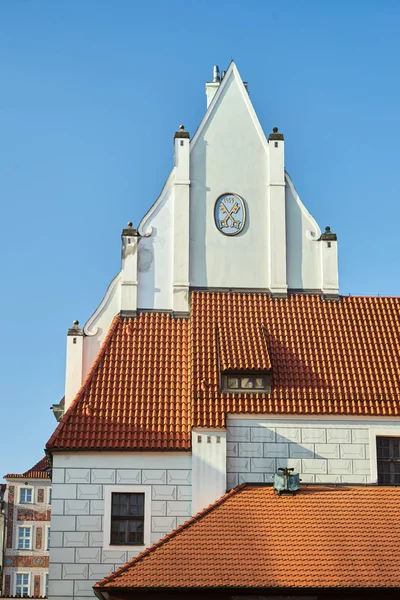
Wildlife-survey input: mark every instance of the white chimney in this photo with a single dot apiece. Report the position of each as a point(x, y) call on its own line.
point(212, 86)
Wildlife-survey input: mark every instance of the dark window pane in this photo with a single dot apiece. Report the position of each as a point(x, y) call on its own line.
point(383, 448)
point(127, 519)
point(388, 452)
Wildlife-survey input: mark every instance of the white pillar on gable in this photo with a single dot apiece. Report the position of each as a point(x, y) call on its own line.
point(329, 263)
point(181, 221)
point(277, 213)
point(129, 281)
point(73, 370)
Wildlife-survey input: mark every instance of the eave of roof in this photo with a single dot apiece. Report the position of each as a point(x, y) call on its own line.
point(324, 537)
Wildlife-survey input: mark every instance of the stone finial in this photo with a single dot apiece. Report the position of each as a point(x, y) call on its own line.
point(75, 329)
point(129, 230)
point(182, 133)
point(328, 235)
point(275, 135)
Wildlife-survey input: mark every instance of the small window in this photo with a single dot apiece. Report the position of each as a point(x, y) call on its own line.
point(48, 539)
point(49, 496)
point(25, 495)
point(46, 586)
point(24, 538)
point(22, 584)
point(237, 382)
point(127, 519)
point(388, 455)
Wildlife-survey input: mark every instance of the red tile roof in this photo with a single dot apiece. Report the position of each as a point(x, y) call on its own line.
point(324, 537)
point(137, 392)
point(157, 376)
point(39, 471)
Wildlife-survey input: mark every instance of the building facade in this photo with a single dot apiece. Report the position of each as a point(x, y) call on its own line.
point(27, 508)
point(221, 352)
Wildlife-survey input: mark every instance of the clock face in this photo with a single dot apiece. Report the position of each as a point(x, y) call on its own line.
point(230, 214)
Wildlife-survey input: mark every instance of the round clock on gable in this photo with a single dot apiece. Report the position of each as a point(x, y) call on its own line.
point(230, 214)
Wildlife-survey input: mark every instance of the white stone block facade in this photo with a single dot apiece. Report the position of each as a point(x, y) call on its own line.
point(80, 553)
point(321, 450)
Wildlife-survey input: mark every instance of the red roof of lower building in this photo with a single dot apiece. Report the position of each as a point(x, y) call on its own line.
point(157, 376)
point(323, 537)
point(41, 470)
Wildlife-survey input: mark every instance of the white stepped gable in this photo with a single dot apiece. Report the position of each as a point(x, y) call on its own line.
point(179, 242)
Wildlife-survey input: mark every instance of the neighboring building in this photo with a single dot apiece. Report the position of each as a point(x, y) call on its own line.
point(2, 492)
point(27, 503)
point(221, 352)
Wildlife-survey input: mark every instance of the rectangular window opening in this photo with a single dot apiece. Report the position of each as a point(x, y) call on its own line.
point(127, 519)
point(249, 383)
point(24, 538)
point(22, 584)
point(25, 496)
point(388, 455)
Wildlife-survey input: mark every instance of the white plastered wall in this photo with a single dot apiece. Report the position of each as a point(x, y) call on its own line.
point(229, 154)
point(303, 250)
point(322, 449)
point(208, 466)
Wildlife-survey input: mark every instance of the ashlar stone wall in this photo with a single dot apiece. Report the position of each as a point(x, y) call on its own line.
point(77, 556)
point(321, 450)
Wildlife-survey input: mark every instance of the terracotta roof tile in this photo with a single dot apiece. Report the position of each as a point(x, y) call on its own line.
point(157, 376)
point(41, 470)
point(324, 537)
point(137, 392)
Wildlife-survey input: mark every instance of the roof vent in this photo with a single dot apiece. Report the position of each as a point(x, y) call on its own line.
point(286, 482)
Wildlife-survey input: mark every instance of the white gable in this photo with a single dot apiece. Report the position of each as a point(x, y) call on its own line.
point(180, 244)
point(229, 153)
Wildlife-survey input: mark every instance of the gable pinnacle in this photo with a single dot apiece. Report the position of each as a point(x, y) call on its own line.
point(182, 133)
point(275, 135)
point(328, 235)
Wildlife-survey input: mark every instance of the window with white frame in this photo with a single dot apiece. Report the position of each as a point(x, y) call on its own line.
point(25, 495)
point(46, 585)
point(24, 538)
point(127, 517)
point(48, 539)
point(49, 496)
point(22, 584)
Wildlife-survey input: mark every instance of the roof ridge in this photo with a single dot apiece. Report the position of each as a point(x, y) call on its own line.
point(194, 519)
point(88, 378)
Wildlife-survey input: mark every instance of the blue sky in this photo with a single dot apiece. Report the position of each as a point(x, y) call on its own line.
point(91, 94)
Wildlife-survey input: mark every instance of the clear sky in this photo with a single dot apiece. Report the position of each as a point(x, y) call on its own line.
point(91, 92)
